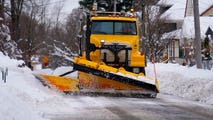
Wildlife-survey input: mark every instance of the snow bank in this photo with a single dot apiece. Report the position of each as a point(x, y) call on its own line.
point(19, 94)
point(13, 107)
point(5, 61)
point(188, 82)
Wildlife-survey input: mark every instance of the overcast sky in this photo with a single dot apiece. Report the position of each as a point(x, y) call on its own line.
point(68, 5)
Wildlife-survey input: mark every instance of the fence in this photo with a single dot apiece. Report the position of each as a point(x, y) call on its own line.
point(4, 73)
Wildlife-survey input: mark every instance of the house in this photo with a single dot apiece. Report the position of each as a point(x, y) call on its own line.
point(178, 15)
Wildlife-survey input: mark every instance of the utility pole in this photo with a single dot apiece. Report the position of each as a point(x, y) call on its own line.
point(115, 7)
point(143, 26)
point(197, 35)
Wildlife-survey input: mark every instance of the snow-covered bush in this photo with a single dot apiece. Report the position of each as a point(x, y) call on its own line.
point(7, 46)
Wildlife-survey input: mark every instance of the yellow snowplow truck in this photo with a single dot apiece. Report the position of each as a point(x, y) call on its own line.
point(111, 62)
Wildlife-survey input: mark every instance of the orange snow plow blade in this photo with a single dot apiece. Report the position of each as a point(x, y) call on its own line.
point(99, 78)
point(60, 83)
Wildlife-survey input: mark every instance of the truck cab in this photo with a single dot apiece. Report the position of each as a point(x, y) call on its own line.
point(114, 40)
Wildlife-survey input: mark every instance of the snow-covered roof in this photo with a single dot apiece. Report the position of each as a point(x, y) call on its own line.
point(176, 34)
point(204, 5)
point(188, 26)
point(166, 2)
point(177, 11)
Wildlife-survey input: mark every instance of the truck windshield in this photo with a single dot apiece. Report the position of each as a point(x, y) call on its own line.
point(114, 27)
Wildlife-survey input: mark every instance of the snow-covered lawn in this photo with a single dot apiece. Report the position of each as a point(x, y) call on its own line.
point(24, 98)
point(188, 82)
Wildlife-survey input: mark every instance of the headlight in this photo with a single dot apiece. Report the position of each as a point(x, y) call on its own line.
point(136, 70)
point(102, 42)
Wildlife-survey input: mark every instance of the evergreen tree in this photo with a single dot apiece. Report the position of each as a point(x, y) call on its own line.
point(206, 47)
point(108, 5)
point(88, 4)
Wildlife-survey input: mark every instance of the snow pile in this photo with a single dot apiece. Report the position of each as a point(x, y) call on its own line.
point(7, 62)
point(19, 93)
point(188, 82)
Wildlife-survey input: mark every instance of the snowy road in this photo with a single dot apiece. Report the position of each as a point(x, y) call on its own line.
point(164, 107)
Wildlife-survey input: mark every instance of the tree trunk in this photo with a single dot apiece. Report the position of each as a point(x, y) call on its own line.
point(2, 8)
point(16, 8)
